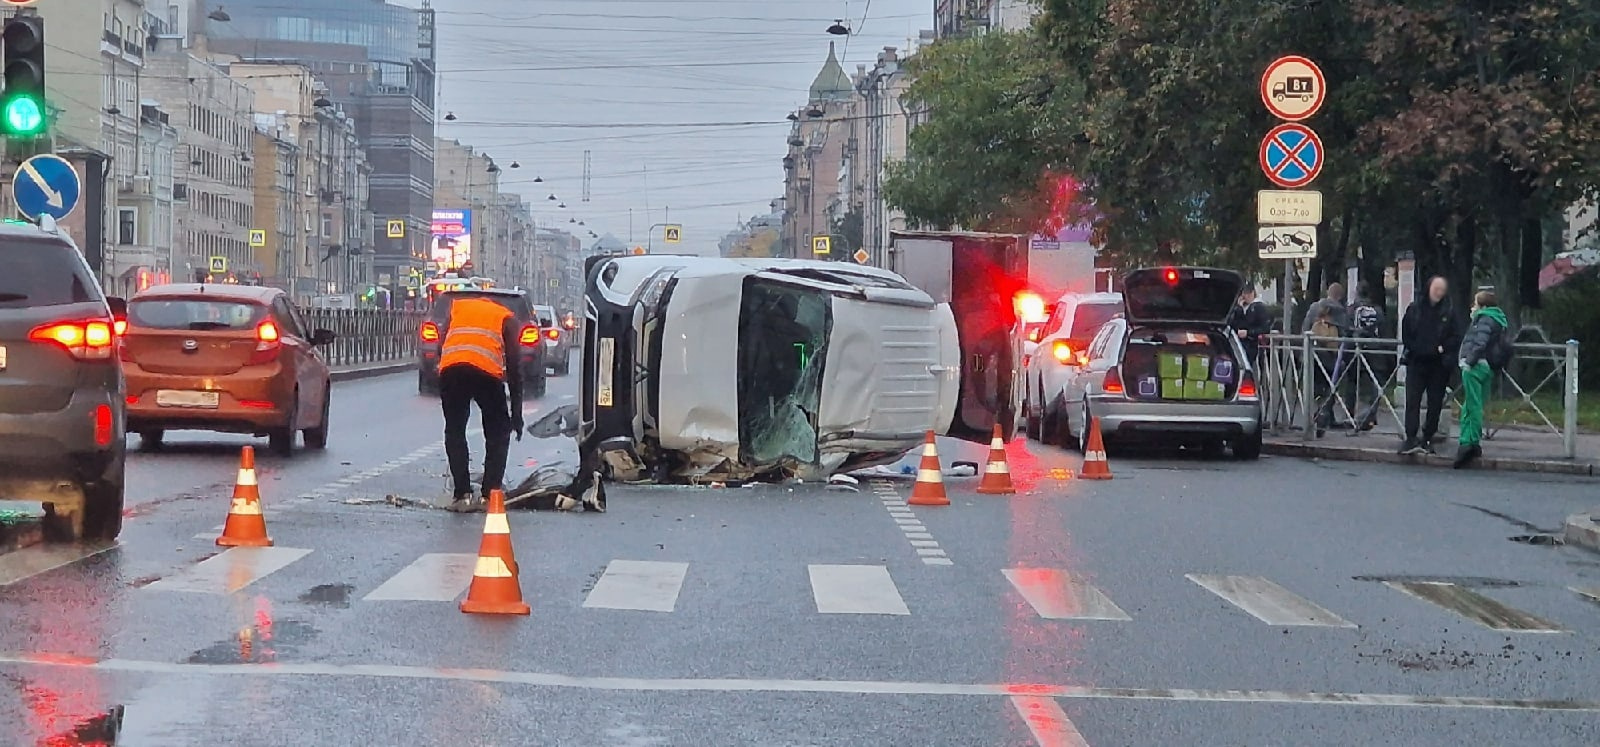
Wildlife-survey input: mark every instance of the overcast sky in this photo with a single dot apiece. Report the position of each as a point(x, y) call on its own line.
point(670, 97)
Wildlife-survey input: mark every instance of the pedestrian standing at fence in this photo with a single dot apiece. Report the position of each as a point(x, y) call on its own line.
point(1366, 325)
point(1328, 318)
point(479, 359)
point(1250, 320)
point(1485, 351)
point(1430, 335)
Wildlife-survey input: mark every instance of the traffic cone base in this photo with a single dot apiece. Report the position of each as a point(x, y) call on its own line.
point(997, 474)
point(929, 488)
point(246, 525)
point(1095, 466)
point(495, 588)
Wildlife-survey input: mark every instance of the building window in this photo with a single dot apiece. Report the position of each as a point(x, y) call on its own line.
point(327, 227)
point(127, 223)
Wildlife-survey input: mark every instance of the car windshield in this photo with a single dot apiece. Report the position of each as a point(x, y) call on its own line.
point(1090, 317)
point(41, 272)
point(511, 303)
point(194, 314)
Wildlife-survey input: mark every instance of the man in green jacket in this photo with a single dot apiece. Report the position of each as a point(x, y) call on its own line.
point(1484, 351)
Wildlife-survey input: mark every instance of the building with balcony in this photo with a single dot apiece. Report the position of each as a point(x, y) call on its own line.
point(818, 142)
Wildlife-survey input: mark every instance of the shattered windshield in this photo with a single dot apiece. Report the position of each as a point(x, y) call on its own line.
point(783, 333)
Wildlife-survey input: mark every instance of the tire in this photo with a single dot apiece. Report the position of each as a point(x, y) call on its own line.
point(1082, 441)
point(535, 385)
point(565, 364)
point(281, 441)
point(317, 438)
point(150, 439)
point(1248, 448)
point(102, 504)
point(426, 385)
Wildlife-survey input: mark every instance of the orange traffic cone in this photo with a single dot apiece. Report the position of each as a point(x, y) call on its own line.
point(929, 489)
point(246, 526)
point(495, 589)
point(997, 474)
point(1095, 466)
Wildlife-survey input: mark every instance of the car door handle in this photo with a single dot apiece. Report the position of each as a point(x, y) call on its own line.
point(936, 369)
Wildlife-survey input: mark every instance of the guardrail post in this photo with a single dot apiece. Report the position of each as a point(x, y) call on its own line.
point(1569, 405)
point(1308, 387)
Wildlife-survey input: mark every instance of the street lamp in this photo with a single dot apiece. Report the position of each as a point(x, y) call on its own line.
point(552, 198)
point(219, 15)
point(538, 180)
point(450, 116)
point(516, 165)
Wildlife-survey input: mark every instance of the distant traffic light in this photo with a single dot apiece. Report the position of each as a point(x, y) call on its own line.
point(22, 107)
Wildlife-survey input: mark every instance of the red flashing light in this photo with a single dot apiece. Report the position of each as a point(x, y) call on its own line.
point(1172, 276)
point(1030, 307)
point(429, 332)
point(1062, 350)
point(1113, 382)
point(89, 340)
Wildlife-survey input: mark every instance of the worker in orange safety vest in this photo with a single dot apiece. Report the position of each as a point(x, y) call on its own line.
point(479, 358)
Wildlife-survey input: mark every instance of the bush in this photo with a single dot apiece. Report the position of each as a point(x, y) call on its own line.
point(1570, 313)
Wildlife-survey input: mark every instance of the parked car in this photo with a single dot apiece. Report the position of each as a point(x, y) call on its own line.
point(558, 340)
point(228, 359)
point(433, 330)
point(1060, 354)
point(61, 394)
point(1169, 371)
point(764, 368)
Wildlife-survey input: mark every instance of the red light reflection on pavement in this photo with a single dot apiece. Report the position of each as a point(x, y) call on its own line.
point(64, 623)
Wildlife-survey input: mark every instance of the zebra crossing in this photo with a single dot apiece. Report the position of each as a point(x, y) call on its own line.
point(866, 589)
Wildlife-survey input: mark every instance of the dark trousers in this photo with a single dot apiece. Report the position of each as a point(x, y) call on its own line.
point(1425, 378)
point(459, 387)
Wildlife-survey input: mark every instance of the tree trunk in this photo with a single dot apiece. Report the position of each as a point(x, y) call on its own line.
point(1463, 262)
point(1532, 261)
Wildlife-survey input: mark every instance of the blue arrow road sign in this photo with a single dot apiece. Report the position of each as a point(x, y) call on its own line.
point(46, 185)
point(1291, 155)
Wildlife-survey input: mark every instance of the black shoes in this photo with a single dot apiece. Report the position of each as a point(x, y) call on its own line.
point(1467, 455)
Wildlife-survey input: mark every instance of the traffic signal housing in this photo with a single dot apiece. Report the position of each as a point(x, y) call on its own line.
point(22, 107)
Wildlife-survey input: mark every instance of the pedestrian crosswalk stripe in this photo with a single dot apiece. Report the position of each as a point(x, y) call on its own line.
point(230, 570)
point(644, 585)
point(1056, 595)
point(1269, 602)
point(1046, 721)
point(1475, 607)
point(435, 577)
point(855, 590)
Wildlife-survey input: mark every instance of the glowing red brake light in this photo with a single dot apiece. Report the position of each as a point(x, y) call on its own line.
point(1247, 388)
point(92, 340)
point(120, 326)
point(1062, 350)
point(553, 333)
point(1172, 276)
point(1113, 382)
point(267, 344)
point(530, 335)
point(103, 422)
point(267, 332)
point(430, 332)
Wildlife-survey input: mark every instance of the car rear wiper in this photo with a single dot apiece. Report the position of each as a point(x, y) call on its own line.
point(13, 297)
point(209, 325)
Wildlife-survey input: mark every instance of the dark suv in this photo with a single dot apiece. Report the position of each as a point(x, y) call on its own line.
point(432, 334)
point(61, 393)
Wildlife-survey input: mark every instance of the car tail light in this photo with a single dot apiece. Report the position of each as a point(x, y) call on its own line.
point(1083, 357)
point(119, 326)
point(267, 344)
point(553, 333)
point(257, 404)
point(1247, 387)
point(1171, 276)
point(1062, 350)
point(103, 423)
point(1113, 382)
point(90, 341)
point(570, 323)
point(1033, 334)
point(1030, 307)
point(529, 336)
point(430, 332)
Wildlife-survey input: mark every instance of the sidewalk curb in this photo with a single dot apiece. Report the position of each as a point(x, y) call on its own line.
point(1583, 530)
point(1355, 454)
point(373, 370)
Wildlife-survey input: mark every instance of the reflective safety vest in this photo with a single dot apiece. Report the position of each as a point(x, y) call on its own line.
point(476, 336)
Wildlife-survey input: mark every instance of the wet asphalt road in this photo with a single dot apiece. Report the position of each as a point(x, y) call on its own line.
point(798, 615)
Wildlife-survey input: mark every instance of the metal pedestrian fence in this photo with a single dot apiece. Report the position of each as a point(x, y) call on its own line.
point(1316, 385)
point(367, 336)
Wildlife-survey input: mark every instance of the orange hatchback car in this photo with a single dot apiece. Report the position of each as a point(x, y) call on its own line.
point(228, 358)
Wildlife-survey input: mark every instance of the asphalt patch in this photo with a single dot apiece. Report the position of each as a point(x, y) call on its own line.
point(334, 595)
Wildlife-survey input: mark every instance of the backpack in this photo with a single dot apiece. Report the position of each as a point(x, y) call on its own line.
point(1367, 320)
point(1325, 328)
point(1501, 350)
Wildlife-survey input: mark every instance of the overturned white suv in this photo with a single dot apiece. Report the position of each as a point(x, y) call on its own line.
point(760, 369)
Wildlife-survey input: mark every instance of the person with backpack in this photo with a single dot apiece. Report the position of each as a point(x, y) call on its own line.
point(1430, 335)
point(1366, 323)
point(1485, 351)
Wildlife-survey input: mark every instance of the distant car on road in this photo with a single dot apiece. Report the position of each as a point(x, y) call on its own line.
point(1059, 354)
point(1170, 370)
point(558, 339)
point(61, 393)
point(225, 358)
point(433, 330)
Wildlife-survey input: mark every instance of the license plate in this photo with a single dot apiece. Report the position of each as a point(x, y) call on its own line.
point(2, 357)
point(175, 398)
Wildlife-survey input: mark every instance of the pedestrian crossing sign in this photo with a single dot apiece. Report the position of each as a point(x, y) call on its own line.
point(821, 245)
point(219, 265)
point(397, 229)
point(674, 234)
point(258, 238)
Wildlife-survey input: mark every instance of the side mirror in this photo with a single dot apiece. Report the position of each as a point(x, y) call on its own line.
point(119, 306)
point(323, 337)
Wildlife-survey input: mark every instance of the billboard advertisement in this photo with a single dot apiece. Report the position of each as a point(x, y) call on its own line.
point(451, 246)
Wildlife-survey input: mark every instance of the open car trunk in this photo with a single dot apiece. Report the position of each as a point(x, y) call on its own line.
point(1180, 363)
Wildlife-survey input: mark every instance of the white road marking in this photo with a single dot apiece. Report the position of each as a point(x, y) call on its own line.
point(938, 561)
point(915, 531)
point(644, 585)
point(855, 590)
point(1592, 593)
point(23, 564)
point(230, 570)
point(1268, 602)
point(820, 687)
point(1047, 722)
point(1055, 595)
point(1475, 607)
point(435, 577)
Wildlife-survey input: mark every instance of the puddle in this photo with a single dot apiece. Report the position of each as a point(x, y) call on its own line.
point(1548, 540)
point(336, 595)
point(1472, 581)
point(260, 643)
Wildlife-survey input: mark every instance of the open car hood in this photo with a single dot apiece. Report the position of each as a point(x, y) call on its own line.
point(1180, 294)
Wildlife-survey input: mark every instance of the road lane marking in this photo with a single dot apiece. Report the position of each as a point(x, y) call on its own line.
point(643, 585)
point(1047, 722)
point(20, 565)
point(817, 687)
point(1475, 607)
point(230, 570)
point(912, 527)
point(1055, 595)
point(434, 577)
point(1269, 602)
point(855, 590)
point(1592, 593)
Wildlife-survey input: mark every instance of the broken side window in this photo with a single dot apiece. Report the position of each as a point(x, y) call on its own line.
point(783, 333)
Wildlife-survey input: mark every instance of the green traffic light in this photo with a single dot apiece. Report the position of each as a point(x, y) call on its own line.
point(23, 116)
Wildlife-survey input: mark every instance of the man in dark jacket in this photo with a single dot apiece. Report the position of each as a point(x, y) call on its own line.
point(1429, 335)
point(1478, 366)
point(1250, 321)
